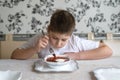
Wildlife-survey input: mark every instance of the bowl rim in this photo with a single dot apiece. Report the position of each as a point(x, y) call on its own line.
point(56, 63)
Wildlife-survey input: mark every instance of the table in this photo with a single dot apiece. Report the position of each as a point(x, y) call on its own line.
point(83, 73)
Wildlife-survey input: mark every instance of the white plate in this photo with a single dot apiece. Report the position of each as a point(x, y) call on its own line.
point(107, 73)
point(41, 66)
point(10, 75)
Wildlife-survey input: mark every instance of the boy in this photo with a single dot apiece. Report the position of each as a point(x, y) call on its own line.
point(60, 38)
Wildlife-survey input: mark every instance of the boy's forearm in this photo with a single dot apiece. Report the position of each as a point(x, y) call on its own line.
point(23, 53)
point(98, 53)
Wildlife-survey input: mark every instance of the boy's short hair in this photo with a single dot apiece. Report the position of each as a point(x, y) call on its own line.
point(62, 22)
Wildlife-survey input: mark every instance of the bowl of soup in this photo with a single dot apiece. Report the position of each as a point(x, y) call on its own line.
point(56, 61)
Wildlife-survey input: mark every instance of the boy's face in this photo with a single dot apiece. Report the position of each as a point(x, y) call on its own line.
point(58, 40)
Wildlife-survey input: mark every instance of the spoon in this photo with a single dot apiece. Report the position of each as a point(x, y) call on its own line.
point(52, 51)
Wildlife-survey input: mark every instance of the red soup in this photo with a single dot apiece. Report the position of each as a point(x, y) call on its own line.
point(54, 59)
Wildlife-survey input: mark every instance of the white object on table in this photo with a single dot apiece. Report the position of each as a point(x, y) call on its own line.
point(10, 75)
point(41, 66)
point(107, 73)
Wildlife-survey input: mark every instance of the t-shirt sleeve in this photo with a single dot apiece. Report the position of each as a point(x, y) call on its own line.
point(31, 42)
point(84, 44)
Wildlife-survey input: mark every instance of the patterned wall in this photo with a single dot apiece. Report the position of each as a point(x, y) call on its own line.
point(32, 16)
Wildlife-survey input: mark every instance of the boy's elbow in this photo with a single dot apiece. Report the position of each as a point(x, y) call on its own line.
point(109, 52)
point(13, 56)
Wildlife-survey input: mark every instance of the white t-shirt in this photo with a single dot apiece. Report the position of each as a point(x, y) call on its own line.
point(75, 44)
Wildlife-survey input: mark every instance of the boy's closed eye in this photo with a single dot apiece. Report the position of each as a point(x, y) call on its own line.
point(55, 38)
point(59, 39)
point(64, 39)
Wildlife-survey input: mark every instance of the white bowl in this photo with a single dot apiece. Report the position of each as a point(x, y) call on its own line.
point(58, 62)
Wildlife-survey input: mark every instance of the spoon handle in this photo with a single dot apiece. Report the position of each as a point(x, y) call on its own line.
point(52, 51)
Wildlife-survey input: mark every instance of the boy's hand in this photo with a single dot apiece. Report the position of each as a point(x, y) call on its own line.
point(42, 43)
point(73, 55)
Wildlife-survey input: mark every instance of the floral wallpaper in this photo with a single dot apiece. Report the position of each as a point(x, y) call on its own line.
point(32, 16)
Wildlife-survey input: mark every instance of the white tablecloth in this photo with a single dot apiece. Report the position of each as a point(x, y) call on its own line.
point(83, 73)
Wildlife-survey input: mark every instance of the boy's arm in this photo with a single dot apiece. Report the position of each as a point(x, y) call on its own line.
point(23, 53)
point(29, 52)
point(103, 51)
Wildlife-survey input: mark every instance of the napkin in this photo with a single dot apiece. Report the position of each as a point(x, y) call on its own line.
point(10, 75)
point(107, 73)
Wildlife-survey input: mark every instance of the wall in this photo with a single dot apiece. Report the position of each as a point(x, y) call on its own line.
point(31, 16)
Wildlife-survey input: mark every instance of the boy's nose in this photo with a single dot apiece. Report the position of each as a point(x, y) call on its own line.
point(58, 44)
